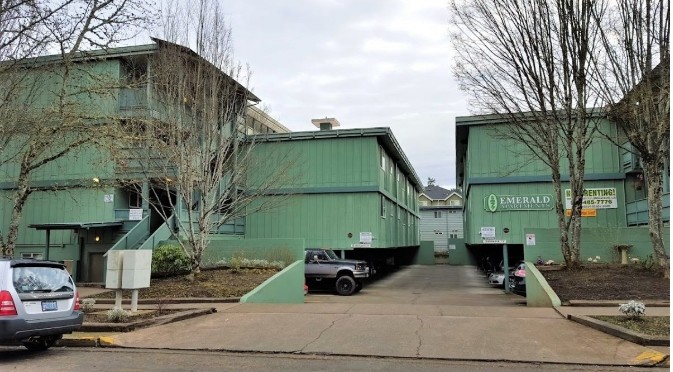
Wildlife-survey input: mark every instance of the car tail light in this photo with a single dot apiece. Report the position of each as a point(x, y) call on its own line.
point(6, 304)
point(520, 273)
point(76, 301)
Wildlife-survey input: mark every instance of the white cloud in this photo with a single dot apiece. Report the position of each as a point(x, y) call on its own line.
point(377, 44)
point(380, 63)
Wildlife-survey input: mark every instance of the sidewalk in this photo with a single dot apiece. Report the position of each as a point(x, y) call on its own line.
point(517, 334)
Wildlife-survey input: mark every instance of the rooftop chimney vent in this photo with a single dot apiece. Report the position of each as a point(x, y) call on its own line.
point(326, 123)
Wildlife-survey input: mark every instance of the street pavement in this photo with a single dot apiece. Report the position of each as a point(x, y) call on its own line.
point(435, 312)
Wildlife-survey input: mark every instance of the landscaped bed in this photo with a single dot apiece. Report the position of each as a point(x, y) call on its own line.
point(607, 282)
point(649, 325)
point(216, 283)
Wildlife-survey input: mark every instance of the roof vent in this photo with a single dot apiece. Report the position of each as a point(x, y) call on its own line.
point(326, 123)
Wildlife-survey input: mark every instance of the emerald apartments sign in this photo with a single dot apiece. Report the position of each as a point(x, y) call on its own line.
point(497, 203)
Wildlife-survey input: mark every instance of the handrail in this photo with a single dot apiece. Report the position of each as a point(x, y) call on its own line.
point(164, 232)
point(133, 236)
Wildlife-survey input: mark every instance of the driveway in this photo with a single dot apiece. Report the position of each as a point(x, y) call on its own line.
point(427, 285)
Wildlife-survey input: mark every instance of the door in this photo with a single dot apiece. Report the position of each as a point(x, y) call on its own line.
point(96, 267)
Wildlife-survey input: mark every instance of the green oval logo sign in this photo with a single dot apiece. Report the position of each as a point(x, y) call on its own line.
point(492, 203)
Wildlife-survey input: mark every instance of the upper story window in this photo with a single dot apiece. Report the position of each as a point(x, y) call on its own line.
point(383, 206)
point(383, 159)
point(438, 214)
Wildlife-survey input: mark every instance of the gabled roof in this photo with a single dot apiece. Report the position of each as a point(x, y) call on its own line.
point(438, 193)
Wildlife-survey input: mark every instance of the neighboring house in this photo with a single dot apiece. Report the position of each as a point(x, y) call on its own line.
point(509, 197)
point(441, 217)
point(78, 212)
point(351, 190)
point(434, 195)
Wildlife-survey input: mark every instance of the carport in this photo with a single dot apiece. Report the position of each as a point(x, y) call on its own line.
point(75, 226)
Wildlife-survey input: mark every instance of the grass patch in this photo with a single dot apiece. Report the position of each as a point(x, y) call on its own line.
point(649, 325)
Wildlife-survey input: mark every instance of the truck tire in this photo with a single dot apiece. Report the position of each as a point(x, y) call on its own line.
point(345, 285)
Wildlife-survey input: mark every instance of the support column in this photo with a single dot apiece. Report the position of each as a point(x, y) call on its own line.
point(505, 264)
point(48, 239)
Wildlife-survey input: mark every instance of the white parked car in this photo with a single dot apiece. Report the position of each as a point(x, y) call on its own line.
point(38, 303)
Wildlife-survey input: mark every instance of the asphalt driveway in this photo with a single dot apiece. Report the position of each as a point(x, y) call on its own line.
point(426, 285)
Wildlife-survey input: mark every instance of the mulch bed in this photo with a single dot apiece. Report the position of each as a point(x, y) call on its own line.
point(607, 282)
point(650, 325)
point(217, 283)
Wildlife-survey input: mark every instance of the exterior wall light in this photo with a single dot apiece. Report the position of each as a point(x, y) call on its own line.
point(97, 238)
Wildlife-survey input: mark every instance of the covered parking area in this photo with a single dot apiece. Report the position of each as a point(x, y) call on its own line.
point(418, 285)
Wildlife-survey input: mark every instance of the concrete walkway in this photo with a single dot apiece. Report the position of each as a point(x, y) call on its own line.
point(430, 319)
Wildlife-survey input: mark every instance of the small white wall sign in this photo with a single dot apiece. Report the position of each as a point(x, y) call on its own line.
point(530, 239)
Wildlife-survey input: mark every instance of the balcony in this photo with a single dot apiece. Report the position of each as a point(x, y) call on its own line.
point(636, 211)
point(133, 101)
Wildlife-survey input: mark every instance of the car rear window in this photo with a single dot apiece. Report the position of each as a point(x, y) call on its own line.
point(28, 279)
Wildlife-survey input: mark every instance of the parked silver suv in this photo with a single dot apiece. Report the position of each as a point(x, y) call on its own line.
point(324, 264)
point(38, 303)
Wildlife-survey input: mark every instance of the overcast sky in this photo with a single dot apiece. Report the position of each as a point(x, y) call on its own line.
point(373, 63)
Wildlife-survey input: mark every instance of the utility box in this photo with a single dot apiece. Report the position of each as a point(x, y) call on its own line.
point(128, 269)
point(113, 275)
point(137, 269)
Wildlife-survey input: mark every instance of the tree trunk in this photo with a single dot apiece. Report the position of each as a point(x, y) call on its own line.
point(20, 197)
point(653, 178)
point(560, 218)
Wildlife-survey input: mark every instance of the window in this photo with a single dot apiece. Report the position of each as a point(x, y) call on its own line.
point(453, 236)
point(438, 214)
point(37, 256)
point(135, 199)
point(383, 159)
point(383, 206)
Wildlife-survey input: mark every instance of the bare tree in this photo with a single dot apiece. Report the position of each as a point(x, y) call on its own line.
point(42, 118)
point(197, 149)
point(634, 84)
point(528, 61)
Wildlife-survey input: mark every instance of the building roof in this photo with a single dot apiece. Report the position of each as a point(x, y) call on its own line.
point(384, 135)
point(435, 192)
point(145, 49)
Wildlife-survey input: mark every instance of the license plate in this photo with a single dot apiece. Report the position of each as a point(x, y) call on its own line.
point(49, 306)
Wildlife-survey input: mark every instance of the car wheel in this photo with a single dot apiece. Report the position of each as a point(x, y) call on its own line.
point(345, 285)
point(40, 343)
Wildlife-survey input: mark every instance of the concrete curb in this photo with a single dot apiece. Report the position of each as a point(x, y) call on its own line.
point(621, 332)
point(614, 303)
point(185, 300)
point(97, 341)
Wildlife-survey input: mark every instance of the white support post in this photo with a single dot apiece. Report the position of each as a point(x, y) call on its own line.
point(134, 300)
point(118, 298)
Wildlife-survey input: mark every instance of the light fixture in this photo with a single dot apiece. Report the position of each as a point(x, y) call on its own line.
point(96, 180)
point(97, 238)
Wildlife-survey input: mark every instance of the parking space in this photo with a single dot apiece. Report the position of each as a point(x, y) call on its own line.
point(426, 285)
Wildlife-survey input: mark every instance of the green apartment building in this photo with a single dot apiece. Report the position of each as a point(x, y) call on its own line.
point(77, 209)
point(352, 190)
point(509, 197)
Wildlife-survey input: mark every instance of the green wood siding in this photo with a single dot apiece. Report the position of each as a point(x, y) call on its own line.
point(337, 186)
point(77, 205)
point(516, 221)
point(488, 155)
